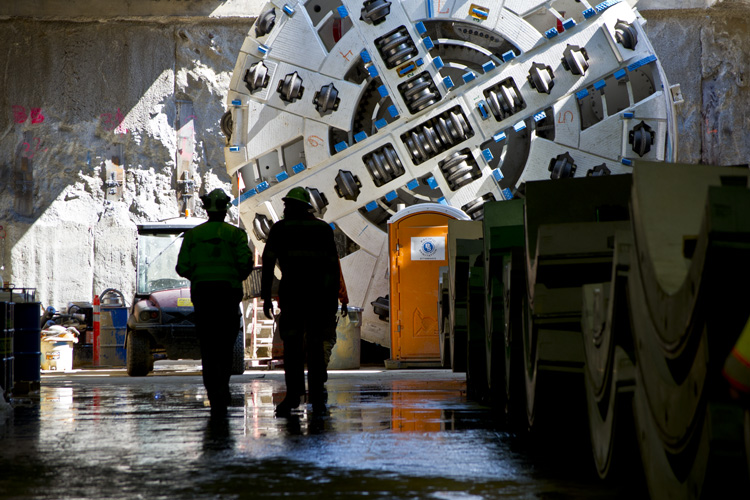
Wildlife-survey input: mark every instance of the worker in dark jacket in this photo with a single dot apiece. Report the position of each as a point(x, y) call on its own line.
point(215, 257)
point(305, 250)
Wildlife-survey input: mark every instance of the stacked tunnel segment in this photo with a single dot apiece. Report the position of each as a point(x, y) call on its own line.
point(614, 318)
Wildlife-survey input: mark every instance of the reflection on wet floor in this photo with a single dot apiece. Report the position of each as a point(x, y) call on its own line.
point(414, 436)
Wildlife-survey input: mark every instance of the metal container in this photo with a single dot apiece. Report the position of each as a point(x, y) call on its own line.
point(57, 355)
point(6, 346)
point(113, 324)
point(27, 348)
point(346, 351)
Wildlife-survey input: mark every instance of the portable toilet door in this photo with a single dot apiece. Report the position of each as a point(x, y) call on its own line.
point(417, 241)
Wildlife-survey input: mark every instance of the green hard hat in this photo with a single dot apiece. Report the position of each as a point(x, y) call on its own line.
point(215, 201)
point(298, 194)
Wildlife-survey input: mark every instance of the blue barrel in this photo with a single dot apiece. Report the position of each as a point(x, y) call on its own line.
point(6, 347)
point(27, 345)
point(113, 320)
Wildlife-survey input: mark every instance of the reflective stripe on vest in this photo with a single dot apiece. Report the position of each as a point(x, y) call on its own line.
point(737, 366)
point(213, 256)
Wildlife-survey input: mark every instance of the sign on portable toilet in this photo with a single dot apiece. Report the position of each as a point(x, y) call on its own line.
point(113, 320)
point(417, 240)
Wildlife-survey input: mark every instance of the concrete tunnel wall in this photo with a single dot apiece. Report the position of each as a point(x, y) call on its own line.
point(92, 81)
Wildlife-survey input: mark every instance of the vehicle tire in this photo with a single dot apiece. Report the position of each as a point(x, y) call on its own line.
point(139, 361)
point(238, 355)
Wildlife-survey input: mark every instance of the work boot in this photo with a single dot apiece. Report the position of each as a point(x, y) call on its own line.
point(319, 409)
point(218, 411)
point(284, 409)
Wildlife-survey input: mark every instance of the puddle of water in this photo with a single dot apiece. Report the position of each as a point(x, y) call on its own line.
point(395, 439)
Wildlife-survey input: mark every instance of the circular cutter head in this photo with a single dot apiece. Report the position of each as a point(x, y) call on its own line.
point(422, 102)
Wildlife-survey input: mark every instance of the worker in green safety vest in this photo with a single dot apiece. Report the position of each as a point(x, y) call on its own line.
point(215, 257)
point(308, 295)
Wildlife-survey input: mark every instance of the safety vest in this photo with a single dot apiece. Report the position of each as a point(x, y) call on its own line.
point(737, 366)
point(215, 251)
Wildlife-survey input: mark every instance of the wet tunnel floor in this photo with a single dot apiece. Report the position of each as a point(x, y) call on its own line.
point(390, 434)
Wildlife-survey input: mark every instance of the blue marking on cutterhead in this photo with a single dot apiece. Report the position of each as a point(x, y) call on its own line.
point(282, 176)
point(482, 107)
point(642, 62)
point(360, 136)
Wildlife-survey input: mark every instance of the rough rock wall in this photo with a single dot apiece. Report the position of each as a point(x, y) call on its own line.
point(75, 95)
point(704, 51)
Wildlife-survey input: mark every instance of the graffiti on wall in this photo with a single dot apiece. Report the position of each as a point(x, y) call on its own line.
point(22, 115)
point(113, 122)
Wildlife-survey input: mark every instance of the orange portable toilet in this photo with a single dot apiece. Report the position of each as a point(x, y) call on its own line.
point(417, 240)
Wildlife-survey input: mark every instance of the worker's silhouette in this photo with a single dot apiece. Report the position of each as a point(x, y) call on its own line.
point(305, 250)
point(215, 257)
